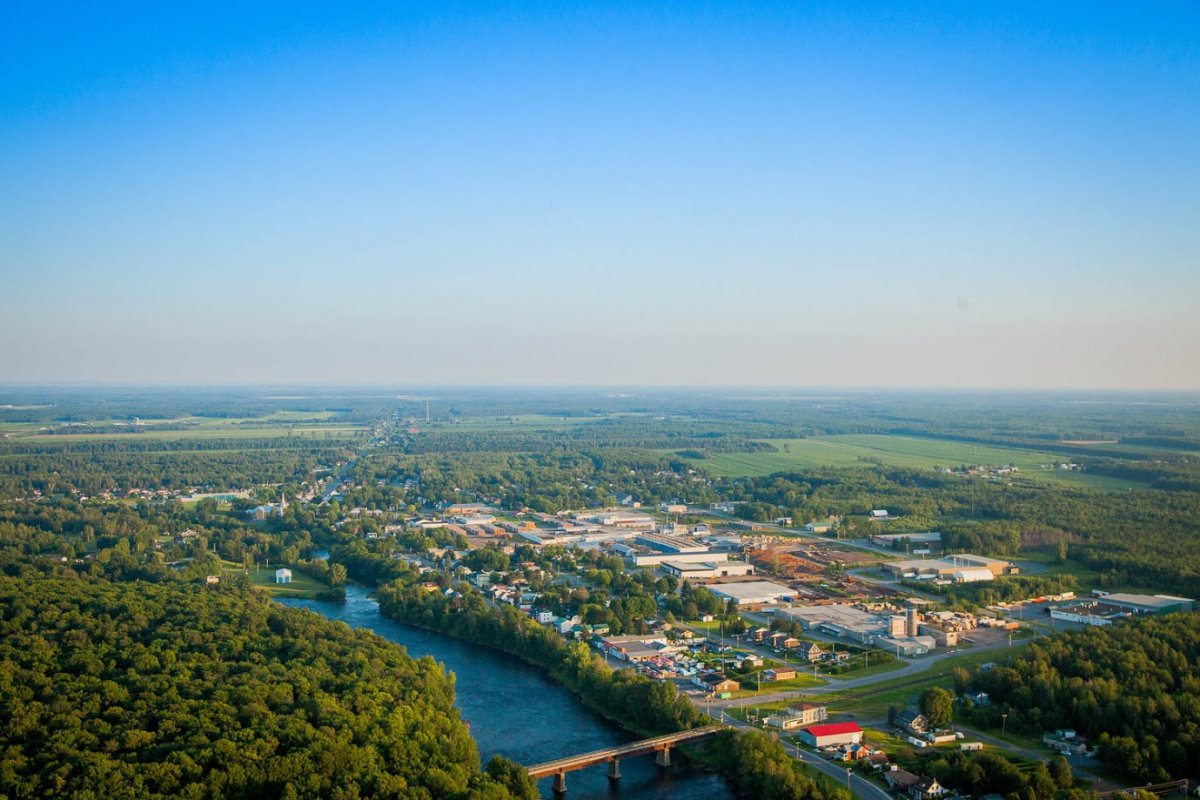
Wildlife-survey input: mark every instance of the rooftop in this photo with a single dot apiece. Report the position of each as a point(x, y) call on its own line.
point(834, 729)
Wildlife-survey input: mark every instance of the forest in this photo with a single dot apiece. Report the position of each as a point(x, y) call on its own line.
point(1132, 689)
point(137, 690)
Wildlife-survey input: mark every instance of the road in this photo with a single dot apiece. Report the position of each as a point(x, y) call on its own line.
point(860, 787)
point(1100, 784)
point(836, 685)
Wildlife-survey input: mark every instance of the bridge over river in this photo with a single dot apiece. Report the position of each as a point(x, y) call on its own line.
point(660, 745)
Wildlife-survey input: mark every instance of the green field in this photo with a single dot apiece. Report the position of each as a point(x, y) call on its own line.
point(301, 585)
point(279, 425)
point(858, 450)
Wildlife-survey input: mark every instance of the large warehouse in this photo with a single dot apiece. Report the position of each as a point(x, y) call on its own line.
point(706, 569)
point(752, 593)
point(1146, 603)
point(833, 733)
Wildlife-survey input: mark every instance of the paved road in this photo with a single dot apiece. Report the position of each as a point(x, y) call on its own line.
point(1100, 784)
point(910, 668)
point(860, 787)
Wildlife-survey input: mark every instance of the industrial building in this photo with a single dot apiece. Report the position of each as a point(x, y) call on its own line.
point(845, 622)
point(1146, 603)
point(1107, 608)
point(918, 540)
point(706, 569)
point(670, 544)
point(753, 593)
point(961, 568)
point(1090, 613)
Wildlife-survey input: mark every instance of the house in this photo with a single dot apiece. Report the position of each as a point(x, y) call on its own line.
point(716, 683)
point(917, 787)
point(926, 789)
point(852, 752)
point(979, 698)
point(812, 652)
point(791, 643)
point(831, 734)
point(780, 674)
point(913, 721)
point(212, 580)
point(283, 575)
point(899, 780)
point(544, 617)
point(878, 760)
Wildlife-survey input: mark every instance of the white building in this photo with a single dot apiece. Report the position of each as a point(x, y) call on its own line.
point(706, 569)
point(973, 575)
point(751, 593)
point(283, 575)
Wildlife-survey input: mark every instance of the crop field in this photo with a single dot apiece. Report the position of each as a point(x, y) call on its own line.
point(858, 450)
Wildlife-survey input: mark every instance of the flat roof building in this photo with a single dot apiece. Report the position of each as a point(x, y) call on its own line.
point(1147, 603)
point(706, 569)
point(752, 593)
point(1091, 613)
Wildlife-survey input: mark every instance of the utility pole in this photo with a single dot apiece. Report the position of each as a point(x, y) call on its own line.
point(1003, 723)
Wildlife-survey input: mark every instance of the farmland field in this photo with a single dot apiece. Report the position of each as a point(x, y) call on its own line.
point(278, 425)
point(857, 450)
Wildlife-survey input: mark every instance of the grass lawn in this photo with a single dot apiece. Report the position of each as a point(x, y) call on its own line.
point(301, 585)
point(872, 702)
point(862, 672)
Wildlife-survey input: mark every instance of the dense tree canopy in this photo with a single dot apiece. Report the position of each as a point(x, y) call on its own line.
point(136, 690)
point(1133, 689)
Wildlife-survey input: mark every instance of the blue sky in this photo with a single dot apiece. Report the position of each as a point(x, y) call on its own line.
point(953, 194)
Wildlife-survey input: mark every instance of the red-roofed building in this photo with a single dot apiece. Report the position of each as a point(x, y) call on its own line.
point(832, 734)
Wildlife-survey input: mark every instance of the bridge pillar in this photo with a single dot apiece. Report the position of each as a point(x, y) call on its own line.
point(663, 759)
point(614, 770)
point(560, 784)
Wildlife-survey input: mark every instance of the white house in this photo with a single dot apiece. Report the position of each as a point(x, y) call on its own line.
point(283, 575)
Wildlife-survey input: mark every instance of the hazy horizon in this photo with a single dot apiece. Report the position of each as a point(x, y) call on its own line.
point(855, 195)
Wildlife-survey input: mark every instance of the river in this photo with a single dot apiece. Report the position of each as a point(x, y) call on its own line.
point(515, 711)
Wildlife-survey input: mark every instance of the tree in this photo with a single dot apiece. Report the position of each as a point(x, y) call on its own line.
point(937, 705)
point(1060, 771)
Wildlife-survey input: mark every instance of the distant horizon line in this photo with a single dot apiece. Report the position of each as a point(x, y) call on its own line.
point(608, 387)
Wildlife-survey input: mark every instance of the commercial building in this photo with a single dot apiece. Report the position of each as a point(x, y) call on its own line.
point(831, 734)
point(798, 716)
point(752, 593)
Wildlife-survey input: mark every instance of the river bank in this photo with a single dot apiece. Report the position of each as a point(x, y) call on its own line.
point(515, 710)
